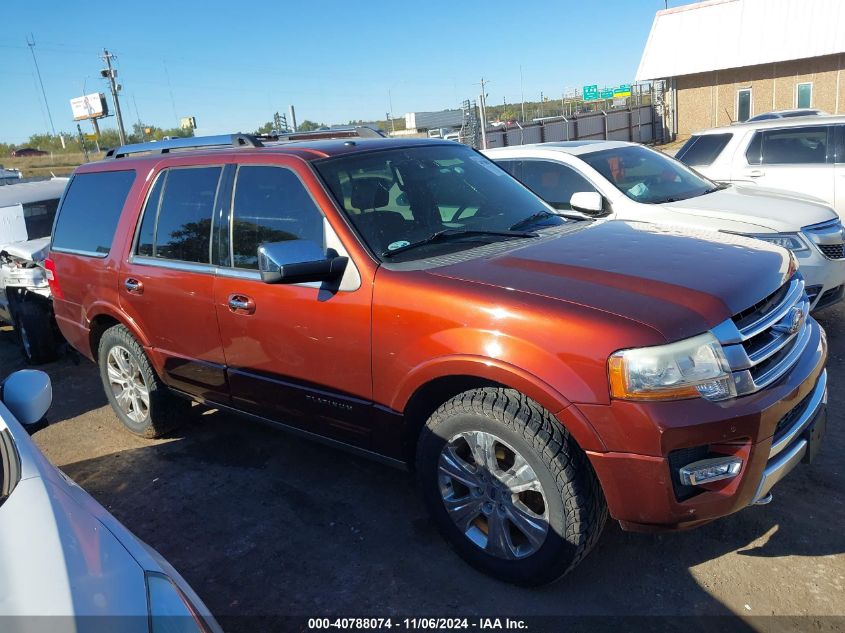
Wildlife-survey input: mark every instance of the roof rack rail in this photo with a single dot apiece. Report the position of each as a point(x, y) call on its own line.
point(191, 142)
point(237, 140)
point(361, 131)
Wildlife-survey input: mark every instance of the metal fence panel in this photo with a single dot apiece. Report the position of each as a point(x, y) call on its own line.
point(639, 124)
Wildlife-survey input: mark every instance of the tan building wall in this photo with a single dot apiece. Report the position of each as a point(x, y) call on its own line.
point(709, 99)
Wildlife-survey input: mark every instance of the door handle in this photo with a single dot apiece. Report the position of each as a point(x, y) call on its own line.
point(134, 286)
point(241, 304)
point(755, 173)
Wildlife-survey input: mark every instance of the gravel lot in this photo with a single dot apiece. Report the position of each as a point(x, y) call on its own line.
point(264, 524)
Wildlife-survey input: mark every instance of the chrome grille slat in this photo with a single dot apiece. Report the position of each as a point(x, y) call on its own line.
point(796, 290)
point(757, 363)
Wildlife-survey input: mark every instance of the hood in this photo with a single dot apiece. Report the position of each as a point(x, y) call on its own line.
point(676, 281)
point(33, 250)
point(764, 210)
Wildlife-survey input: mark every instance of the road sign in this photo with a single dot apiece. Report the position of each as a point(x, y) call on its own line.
point(622, 91)
point(590, 93)
point(607, 93)
point(90, 137)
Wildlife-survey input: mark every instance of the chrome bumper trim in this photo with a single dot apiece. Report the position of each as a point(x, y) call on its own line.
point(788, 451)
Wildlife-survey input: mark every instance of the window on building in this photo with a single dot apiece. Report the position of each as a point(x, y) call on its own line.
point(804, 95)
point(743, 104)
point(271, 205)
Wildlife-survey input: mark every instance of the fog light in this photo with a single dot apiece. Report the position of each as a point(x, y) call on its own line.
point(706, 471)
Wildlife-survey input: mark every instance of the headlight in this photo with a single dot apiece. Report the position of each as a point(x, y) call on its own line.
point(787, 240)
point(170, 609)
point(695, 367)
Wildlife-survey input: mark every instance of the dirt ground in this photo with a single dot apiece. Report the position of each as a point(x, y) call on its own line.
point(263, 524)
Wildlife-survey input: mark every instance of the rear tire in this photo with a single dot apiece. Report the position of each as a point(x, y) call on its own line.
point(139, 398)
point(524, 504)
point(33, 322)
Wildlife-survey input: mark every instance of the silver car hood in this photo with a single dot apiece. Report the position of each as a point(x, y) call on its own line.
point(63, 554)
point(757, 206)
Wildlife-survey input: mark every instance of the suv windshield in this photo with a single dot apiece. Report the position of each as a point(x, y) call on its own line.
point(648, 176)
point(403, 197)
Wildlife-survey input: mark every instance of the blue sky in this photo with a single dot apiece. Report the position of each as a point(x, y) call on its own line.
point(232, 64)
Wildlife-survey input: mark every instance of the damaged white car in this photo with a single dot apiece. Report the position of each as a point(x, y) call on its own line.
point(27, 210)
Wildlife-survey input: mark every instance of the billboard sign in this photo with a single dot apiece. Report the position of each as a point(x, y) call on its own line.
point(591, 93)
point(91, 106)
point(622, 91)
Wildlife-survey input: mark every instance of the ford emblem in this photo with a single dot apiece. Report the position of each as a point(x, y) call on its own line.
point(791, 323)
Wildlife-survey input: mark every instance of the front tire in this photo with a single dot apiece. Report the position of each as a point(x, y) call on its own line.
point(139, 398)
point(508, 486)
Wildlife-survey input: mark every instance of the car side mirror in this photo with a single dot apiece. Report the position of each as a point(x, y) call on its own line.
point(28, 394)
point(588, 203)
point(298, 261)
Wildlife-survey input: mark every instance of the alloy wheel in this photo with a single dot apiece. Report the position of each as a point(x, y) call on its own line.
point(492, 495)
point(127, 384)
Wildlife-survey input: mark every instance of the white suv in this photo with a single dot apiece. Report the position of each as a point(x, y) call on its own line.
point(627, 181)
point(802, 154)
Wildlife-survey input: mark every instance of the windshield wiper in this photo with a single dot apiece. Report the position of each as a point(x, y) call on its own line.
point(533, 218)
point(447, 234)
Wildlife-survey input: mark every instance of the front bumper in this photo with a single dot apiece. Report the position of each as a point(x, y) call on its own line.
point(639, 483)
point(825, 278)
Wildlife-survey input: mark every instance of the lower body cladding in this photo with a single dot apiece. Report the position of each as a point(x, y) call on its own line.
point(699, 460)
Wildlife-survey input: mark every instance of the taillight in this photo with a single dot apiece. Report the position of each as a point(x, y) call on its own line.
point(52, 279)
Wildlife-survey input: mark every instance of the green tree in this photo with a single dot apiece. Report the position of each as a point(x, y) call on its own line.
point(309, 126)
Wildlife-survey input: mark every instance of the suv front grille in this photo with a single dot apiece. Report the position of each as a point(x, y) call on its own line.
point(764, 341)
point(832, 251)
point(828, 237)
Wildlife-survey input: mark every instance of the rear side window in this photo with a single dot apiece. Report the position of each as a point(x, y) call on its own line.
point(792, 146)
point(177, 216)
point(271, 205)
point(703, 149)
point(90, 212)
point(39, 217)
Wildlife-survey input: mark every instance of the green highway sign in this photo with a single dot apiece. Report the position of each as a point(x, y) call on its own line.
point(607, 93)
point(590, 93)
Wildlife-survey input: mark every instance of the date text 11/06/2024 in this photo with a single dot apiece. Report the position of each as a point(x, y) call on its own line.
point(376, 624)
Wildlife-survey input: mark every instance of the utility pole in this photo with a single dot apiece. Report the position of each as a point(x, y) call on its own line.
point(30, 41)
point(522, 93)
point(110, 74)
point(483, 105)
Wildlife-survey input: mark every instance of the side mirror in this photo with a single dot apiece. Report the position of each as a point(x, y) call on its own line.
point(28, 394)
point(587, 202)
point(298, 261)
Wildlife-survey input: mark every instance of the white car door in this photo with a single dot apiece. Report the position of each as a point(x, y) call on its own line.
point(792, 159)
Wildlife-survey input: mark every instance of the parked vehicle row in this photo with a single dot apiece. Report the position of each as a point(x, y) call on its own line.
point(539, 369)
point(628, 181)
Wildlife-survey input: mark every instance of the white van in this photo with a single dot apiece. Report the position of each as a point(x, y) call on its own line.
point(804, 154)
point(27, 210)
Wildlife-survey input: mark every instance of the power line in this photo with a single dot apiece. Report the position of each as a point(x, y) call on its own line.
point(30, 41)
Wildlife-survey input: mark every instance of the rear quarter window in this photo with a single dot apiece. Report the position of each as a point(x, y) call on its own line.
point(703, 149)
point(88, 216)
